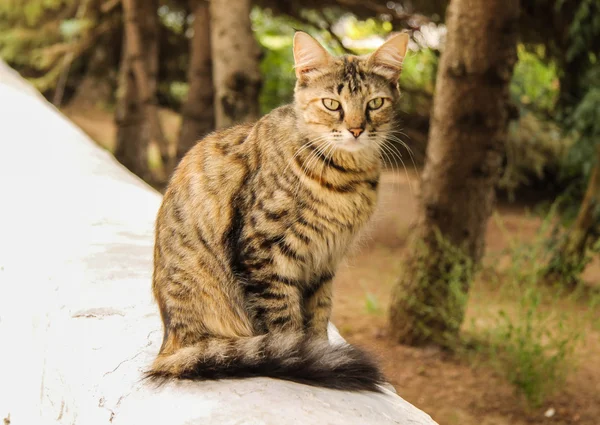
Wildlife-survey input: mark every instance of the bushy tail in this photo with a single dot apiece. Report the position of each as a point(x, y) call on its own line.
point(287, 357)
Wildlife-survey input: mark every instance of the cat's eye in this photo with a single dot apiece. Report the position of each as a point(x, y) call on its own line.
point(375, 103)
point(332, 105)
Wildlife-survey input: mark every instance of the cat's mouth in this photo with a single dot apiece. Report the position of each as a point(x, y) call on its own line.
point(350, 144)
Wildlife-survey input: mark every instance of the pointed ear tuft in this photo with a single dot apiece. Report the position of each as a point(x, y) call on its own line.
point(387, 60)
point(309, 55)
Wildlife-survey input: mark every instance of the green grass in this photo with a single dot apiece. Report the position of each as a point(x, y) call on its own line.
point(372, 304)
point(532, 337)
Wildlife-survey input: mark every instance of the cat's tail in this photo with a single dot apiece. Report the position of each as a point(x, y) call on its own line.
point(280, 356)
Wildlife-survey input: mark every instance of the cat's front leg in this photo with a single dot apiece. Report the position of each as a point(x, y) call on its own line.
point(317, 308)
point(277, 303)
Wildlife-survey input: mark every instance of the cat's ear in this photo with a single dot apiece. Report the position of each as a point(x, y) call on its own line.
point(387, 60)
point(309, 55)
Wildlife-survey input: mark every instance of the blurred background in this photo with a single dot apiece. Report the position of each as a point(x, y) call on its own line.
point(477, 289)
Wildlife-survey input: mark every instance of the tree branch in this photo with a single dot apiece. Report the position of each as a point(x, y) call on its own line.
point(362, 9)
point(326, 26)
point(338, 40)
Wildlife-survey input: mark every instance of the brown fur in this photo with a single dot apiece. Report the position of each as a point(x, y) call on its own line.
point(255, 221)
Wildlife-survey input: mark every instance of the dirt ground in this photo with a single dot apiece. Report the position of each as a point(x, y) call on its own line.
point(453, 390)
point(450, 389)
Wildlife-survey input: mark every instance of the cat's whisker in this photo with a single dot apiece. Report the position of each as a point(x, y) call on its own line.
point(382, 158)
point(383, 149)
point(307, 145)
point(402, 142)
point(395, 153)
point(405, 145)
point(302, 148)
point(313, 157)
point(401, 133)
point(393, 132)
point(397, 129)
point(330, 150)
point(394, 170)
point(307, 163)
point(412, 157)
point(289, 162)
point(391, 135)
point(396, 182)
point(303, 172)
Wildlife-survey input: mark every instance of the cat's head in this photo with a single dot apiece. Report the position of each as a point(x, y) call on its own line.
point(347, 102)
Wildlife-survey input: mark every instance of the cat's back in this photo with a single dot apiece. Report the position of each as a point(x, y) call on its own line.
point(216, 165)
point(214, 178)
point(204, 185)
point(228, 155)
point(214, 150)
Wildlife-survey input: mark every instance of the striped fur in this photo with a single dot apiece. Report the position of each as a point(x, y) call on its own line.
point(289, 357)
point(253, 225)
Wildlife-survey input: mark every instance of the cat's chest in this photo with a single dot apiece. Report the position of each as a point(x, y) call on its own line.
point(309, 232)
point(327, 248)
point(328, 229)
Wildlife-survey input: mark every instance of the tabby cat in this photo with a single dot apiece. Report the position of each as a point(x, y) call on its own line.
point(256, 219)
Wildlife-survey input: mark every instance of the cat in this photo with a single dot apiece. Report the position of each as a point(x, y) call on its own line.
point(256, 218)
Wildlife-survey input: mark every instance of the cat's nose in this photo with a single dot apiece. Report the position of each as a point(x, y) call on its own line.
point(356, 131)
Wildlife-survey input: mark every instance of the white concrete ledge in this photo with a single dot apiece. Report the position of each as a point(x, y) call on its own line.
point(77, 322)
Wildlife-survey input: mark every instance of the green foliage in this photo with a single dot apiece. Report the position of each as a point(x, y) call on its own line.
point(535, 80)
point(358, 30)
point(372, 304)
point(18, 42)
point(173, 19)
point(566, 269)
point(530, 341)
point(275, 33)
point(535, 149)
point(536, 143)
point(275, 36)
point(556, 144)
point(585, 124)
point(417, 83)
point(419, 70)
point(42, 38)
point(584, 31)
point(30, 12)
point(526, 260)
point(572, 251)
point(36, 36)
point(580, 109)
point(72, 28)
point(534, 349)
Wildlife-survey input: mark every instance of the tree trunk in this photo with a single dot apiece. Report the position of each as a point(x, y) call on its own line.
point(141, 31)
point(133, 129)
point(67, 61)
point(97, 87)
point(235, 56)
point(570, 259)
point(137, 114)
point(464, 158)
point(197, 112)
